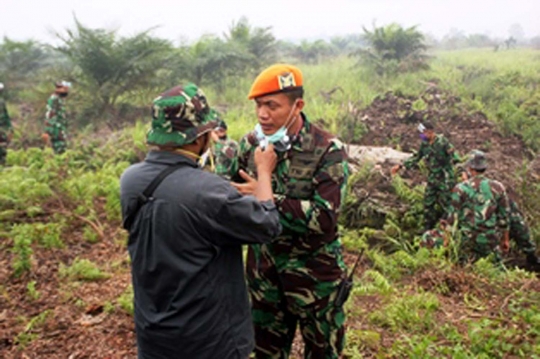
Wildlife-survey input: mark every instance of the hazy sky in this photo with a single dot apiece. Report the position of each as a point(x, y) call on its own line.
point(289, 19)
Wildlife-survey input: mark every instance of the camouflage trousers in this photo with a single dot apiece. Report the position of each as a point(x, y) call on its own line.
point(275, 322)
point(521, 234)
point(471, 247)
point(58, 138)
point(437, 197)
point(3, 147)
point(3, 153)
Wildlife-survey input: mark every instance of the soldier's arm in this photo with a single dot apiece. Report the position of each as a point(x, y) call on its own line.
point(240, 161)
point(451, 150)
point(455, 204)
point(233, 219)
point(504, 220)
point(6, 118)
point(412, 161)
point(52, 109)
point(319, 214)
point(503, 211)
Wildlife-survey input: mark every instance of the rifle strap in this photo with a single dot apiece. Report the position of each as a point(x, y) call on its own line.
point(360, 255)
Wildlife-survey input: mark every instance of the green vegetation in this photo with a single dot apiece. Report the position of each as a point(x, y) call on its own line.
point(82, 269)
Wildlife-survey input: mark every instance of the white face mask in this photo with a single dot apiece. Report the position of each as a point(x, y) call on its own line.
point(280, 139)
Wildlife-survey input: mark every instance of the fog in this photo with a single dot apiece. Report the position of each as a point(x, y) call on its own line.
point(289, 19)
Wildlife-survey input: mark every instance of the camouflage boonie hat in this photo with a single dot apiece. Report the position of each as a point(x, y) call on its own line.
point(477, 160)
point(179, 116)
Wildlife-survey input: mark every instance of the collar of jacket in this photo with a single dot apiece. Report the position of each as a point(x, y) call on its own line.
point(304, 130)
point(169, 158)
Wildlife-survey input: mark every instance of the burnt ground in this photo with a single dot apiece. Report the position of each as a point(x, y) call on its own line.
point(85, 319)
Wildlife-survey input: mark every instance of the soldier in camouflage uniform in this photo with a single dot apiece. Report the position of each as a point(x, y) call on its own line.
point(225, 150)
point(294, 280)
point(481, 208)
point(519, 232)
point(6, 130)
point(439, 156)
point(55, 118)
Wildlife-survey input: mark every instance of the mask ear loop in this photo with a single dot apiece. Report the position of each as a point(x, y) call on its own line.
point(291, 120)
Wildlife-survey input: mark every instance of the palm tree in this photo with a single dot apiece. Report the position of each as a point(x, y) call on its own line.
point(394, 48)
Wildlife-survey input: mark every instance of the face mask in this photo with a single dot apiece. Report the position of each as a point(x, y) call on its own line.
point(63, 94)
point(280, 139)
point(423, 137)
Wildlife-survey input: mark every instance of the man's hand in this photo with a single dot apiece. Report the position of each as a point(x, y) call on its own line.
point(505, 243)
point(395, 169)
point(248, 187)
point(265, 160)
point(46, 138)
point(214, 136)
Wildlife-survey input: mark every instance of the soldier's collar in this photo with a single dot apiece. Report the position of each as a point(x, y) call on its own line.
point(299, 139)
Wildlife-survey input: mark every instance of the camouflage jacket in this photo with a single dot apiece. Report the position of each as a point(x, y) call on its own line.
point(308, 183)
point(225, 154)
point(56, 112)
point(5, 121)
point(439, 156)
point(482, 208)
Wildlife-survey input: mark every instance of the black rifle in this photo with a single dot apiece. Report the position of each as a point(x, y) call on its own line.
point(345, 287)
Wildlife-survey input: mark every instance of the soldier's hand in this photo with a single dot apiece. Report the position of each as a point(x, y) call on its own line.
point(265, 160)
point(505, 243)
point(395, 169)
point(214, 136)
point(247, 188)
point(46, 138)
point(505, 246)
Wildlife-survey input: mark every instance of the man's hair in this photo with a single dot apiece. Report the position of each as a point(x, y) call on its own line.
point(429, 126)
point(294, 94)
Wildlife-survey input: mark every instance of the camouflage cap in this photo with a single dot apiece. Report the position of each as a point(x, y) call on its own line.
point(477, 160)
point(179, 116)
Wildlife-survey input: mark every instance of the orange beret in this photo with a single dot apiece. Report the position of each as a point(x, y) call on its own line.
point(276, 78)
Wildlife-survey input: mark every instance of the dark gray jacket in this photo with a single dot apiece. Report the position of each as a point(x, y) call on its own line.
point(185, 247)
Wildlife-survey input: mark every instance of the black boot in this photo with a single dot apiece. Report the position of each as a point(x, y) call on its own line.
point(532, 259)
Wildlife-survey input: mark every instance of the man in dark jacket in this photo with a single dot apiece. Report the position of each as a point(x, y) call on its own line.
point(185, 241)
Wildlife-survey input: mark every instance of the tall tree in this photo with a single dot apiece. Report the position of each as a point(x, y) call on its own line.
point(394, 48)
point(19, 61)
point(112, 67)
point(259, 42)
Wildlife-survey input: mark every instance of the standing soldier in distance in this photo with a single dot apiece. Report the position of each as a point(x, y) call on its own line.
point(439, 156)
point(6, 131)
point(55, 118)
point(225, 150)
point(294, 280)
